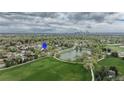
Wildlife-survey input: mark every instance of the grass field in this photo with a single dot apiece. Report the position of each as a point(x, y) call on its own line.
point(117, 62)
point(48, 69)
point(115, 48)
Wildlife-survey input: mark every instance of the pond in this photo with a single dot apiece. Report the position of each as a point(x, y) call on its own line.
point(72, 55)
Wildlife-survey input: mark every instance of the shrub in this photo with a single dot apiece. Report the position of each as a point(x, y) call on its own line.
point(9, 62)
point(104, 49)
point(122, 58)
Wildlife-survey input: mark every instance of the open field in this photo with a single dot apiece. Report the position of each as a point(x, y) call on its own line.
point(115, 48)
point(46, 69)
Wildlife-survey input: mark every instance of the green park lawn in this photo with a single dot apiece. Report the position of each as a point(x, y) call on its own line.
point(115, 48)
point(47, 69)
point(111, 61)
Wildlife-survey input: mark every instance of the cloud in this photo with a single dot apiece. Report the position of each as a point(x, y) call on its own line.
point(55, 22)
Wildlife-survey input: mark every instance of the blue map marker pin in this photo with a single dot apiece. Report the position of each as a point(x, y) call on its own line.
point(44, 45)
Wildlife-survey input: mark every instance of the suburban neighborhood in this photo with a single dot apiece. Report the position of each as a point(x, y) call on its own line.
point(61, 46)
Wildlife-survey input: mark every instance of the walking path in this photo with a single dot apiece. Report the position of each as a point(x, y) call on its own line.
point(91, 69)
point(92, 74)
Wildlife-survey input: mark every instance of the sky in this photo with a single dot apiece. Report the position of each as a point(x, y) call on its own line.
point(61, 22)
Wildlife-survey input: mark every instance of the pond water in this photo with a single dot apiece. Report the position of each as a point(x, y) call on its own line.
point(72, 54)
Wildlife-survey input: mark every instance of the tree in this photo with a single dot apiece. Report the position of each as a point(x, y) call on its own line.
point(12, 49)
point(113, 68)
point(76, 48)
point(114, 54)
point(9, 62)
point(1, 54)
point(109, 50)
point(87, 61)
point(18, 59)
